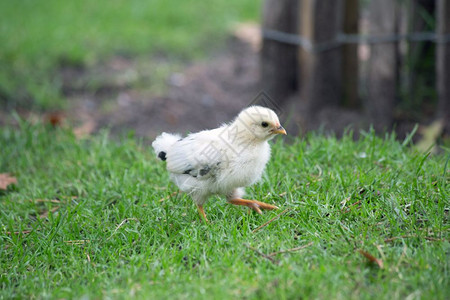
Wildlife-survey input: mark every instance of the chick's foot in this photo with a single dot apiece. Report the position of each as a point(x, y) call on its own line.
point(253, 204)
point(201, 211)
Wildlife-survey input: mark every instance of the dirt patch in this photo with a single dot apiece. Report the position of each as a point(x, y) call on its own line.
point(120, 94)
point(202, 95)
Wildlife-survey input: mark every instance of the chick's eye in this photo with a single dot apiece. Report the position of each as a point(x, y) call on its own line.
point(264, 124)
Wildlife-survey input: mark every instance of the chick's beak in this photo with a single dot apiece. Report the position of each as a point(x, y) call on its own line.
point(279, 130)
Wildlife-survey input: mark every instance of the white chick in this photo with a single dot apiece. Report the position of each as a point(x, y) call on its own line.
point(224, 160)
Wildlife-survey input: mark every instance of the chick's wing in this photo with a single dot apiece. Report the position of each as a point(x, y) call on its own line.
point(198, 155)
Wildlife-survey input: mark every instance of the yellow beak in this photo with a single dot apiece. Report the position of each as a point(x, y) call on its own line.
point(279, 130)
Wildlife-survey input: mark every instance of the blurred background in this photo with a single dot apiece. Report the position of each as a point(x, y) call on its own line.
point(163, 65)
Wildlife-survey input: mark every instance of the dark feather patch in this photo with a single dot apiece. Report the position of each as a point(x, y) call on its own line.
point(188, 171)
point(197, 172)
point(162, 155)
point(204, 171)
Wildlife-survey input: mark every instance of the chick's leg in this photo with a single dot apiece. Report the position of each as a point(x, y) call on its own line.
point(253, 204)
point(201, 211)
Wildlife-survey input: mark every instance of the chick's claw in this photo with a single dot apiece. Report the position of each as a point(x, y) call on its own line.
point(253, 204)
point(265, 205)
point(255, 207)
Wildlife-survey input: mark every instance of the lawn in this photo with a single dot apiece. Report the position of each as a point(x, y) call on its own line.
point(98, 218)
point(40, 37)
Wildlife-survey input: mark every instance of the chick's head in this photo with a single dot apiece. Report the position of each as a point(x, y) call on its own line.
point(260, 123)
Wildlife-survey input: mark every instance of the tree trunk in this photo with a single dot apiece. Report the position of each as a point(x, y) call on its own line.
point(350, 55)
point(382, 77)
point(321, 73)
point(419, 57)
point(443, 63)
point(279, 60)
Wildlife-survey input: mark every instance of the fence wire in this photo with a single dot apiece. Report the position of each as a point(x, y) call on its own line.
point(344, 38)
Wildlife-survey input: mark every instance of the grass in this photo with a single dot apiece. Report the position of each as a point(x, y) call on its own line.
point(39, 37)
point(107, 234)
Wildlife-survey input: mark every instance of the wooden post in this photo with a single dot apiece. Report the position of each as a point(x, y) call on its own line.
point(382, 77)
point(443, 63)
point(350, 55)
point(321, 76)
point(416, 57)
point(279, 60)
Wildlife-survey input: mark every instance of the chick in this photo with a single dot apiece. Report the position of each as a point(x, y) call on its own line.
point(224, 160)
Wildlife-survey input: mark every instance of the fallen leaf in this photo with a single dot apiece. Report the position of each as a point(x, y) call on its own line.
point(125, 221)
point(429, 238)
point(18, 232)
point(77, 242)
point(371, 258)
point(271, 220)
point(5, 180)
point(291, 250)
point(45, 213)
point(168, 197)
point(46, 200)
point(56, 119)
point(262, 254)
point(85, 129)
point(250, 33)
point(343, 202)
point(347, 209)
point(430, 134)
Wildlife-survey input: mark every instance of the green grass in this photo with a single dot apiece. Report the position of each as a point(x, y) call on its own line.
point(135, 245)
point(37, 37)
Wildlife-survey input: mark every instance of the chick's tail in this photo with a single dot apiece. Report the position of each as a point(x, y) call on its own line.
point(163, 143)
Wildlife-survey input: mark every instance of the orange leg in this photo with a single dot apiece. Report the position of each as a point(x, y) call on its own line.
point(201, 211)
point(253, 204)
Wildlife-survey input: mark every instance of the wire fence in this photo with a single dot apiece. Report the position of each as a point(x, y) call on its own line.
point(407, 73)
point(344, 38)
